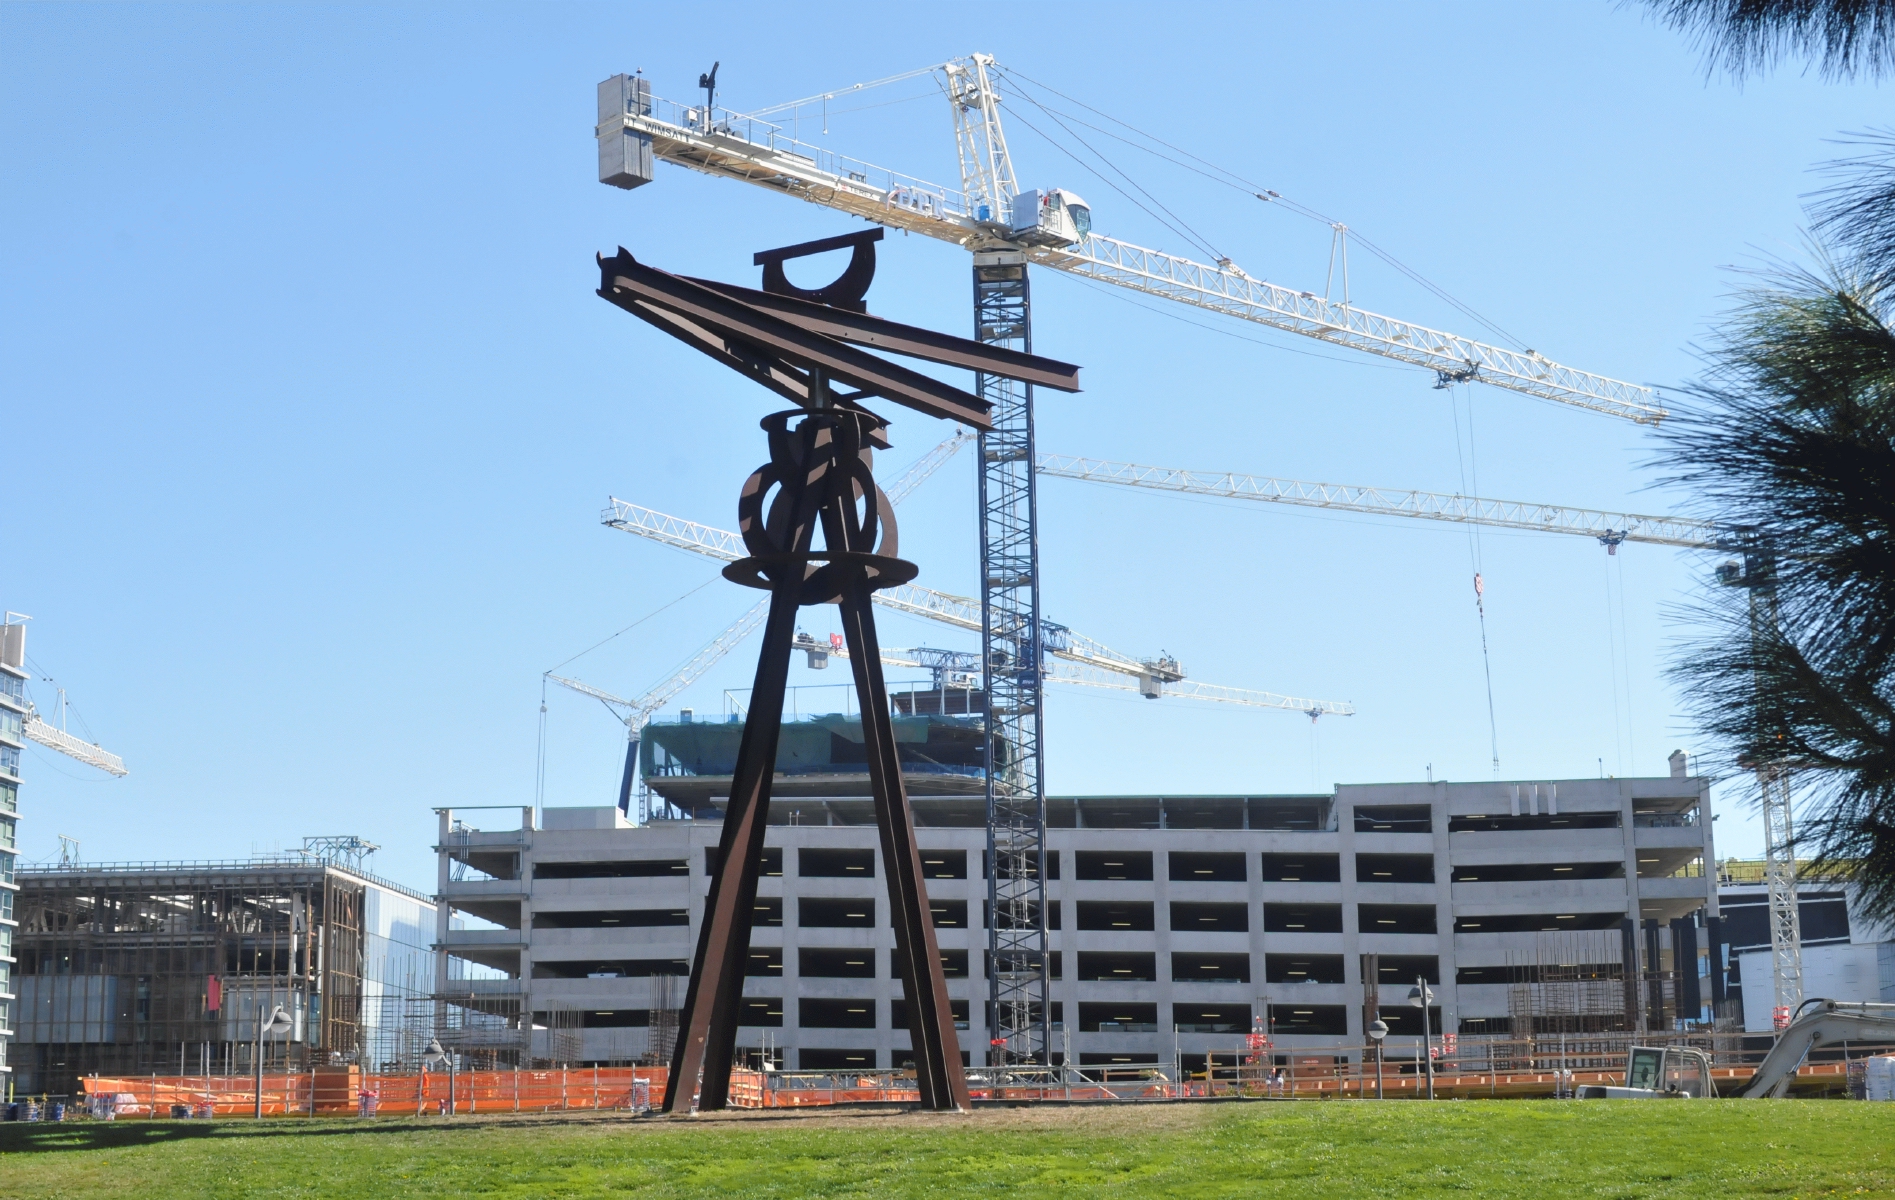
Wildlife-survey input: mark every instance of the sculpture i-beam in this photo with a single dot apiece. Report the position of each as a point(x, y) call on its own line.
point(803, 345)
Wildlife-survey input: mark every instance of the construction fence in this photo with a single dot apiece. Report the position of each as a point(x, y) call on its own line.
point(348, 1092)
point(1464, 1068)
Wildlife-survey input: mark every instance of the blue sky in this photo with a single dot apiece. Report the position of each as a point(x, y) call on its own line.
point(310, 409)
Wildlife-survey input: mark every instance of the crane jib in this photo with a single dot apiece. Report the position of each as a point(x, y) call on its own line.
point(762, 154)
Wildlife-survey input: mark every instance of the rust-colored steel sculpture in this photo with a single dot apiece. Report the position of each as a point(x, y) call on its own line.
point(801, 345)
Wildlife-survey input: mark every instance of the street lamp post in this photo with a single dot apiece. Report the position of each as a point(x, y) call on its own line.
point(434, 1056)
point(1377, 1030)
point(277, 1022)
point(1421, 997)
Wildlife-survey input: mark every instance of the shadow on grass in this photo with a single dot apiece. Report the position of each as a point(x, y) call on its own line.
point(41, 1138)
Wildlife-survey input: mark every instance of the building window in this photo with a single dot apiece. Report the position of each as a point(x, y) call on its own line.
point(11, 724)
point(1395, 818)
point(833, 963)
point(771, 863)
point(631, 869)
point(615, 1018)
point(1535, 922)
point(1114, 915)
point(814, 1013)
point(1551, 872)
point(1303, 968)
point(1302, 868)
point(829, 863)
point(1112, 864)
point(1331, 1020)
point(12, 685)
point(766, 1011)
point(898, 1013)
point(835, 1060)
point(1211, 1018)
point(9, 832)
point(1104, 966)
point(944, 864)
point(611, 918)
point(1118, 1018)
point(1482, 823)
point(825, 912)
point(1205, 868)
point(9, 797)
point(6, 873)
point(1394, 868)
point(948, 914)
point(1395, 918)
point(613, 968)
point(1210, 968)
point(10, 760)
point(1406, 968)
point(1302, 918)
point(1192, 917)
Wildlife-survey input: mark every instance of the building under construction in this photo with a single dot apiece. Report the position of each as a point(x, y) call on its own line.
point(142, 968)
point(1178, 925)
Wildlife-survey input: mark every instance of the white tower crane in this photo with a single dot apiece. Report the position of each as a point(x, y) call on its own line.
point(37, 728)
point(1608, 528)
point(1756, 572)
point(1006, 229)
point(1078, 659)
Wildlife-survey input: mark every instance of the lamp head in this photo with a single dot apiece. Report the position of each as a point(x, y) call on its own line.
point(1377, 1030)
point(433, 1055)
point(1420, 995)
point(279, 1021)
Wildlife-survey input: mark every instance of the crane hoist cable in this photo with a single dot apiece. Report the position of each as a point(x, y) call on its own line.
point(1231, 179)
point(1177, 224)
point(1463, 462)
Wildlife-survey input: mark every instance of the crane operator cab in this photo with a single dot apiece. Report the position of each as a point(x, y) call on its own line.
point(1658, 1073)
point(1050, 218)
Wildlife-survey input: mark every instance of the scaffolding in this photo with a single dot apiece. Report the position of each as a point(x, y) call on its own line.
point(1568, 984)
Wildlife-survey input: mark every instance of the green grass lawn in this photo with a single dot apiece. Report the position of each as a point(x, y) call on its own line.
point(1706, 1150)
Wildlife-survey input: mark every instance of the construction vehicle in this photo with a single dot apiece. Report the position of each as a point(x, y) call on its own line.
point(1680, 1072)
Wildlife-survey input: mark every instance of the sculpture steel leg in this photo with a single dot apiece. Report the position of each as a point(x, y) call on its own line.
point(938, 1072)
point(707, 1030)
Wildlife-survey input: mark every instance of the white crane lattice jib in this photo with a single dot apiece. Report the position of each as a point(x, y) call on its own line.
point(638, 127)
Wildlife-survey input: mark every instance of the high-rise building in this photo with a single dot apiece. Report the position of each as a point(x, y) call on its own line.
point(12, 742)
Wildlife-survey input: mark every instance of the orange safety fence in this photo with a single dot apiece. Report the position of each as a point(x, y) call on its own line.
point(343, 1091)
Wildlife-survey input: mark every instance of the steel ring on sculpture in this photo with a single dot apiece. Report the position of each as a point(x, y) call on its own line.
point(822, 584)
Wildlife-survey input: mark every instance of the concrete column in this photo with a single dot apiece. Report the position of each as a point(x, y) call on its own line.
point(1444, 909)
point(1351, 919)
